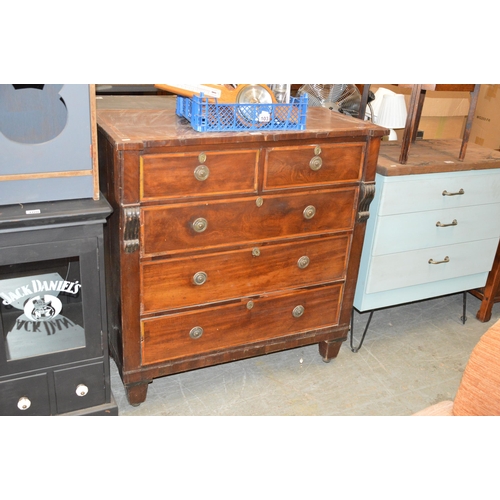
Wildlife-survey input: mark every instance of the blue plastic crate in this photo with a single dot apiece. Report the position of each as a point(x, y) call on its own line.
point(207, 115)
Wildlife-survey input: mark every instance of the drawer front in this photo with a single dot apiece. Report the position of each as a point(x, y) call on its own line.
point(176, 283)
point(312, 165)
point(404, 269)
point(178, 228)
point(80, 387)
point(30, 393)
point(198, 174)
point(400, 233)
point(415, 193)
point(178, 335)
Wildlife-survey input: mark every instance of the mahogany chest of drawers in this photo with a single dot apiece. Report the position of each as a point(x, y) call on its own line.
point(226, 245)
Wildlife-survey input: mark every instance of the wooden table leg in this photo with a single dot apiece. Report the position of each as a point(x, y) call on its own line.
point(470, 117)
point(411, 123)
point(490, 290)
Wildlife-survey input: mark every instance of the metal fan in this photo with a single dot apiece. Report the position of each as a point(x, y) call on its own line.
point(341, 97)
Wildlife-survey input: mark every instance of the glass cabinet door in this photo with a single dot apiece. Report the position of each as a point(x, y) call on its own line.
point(41, 307)
point(50, 306)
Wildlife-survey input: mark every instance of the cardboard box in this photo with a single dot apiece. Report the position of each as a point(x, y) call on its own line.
point(486, 125)
point(444, 113)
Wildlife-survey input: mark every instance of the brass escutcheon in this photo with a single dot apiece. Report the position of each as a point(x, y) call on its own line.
point(256, 252)
point(196, 332)
point(201, 172)
point(309, 212)
point(317, 150)
point(303, 262)
point(250, 304)
point(315, 163)
point(202, 157)
point(259, 201)
point(298, 311)
point(200, 224)
point(200, 278)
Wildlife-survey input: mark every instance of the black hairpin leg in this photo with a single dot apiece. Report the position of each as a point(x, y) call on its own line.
point(464, 313)
point(356, 349)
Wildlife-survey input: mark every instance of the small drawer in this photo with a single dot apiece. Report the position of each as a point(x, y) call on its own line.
point(190, 226)
point(400, 233)
point(179, 175)
point(25, 396)
point(247, 322)
point(416, 193)
point(183, 282)
point(80, 387)
point(320, 164)
point(429, 265)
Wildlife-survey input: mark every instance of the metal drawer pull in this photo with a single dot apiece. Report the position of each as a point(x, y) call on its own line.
point(201, 172)
point(316, 163)
point(24, 403)
point(196, 332)
point(309, 212)
point(303, 262)
point(199, 225)
point(298, 311)
point(445, 193)
point(82, 390)
point(256, 252)
point(446, 259)
point(453, 223)
point(200, 278)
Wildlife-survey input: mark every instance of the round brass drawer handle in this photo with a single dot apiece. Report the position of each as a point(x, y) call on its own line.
point(201, 172)
point(303, 262)
point(309, 212)
point(200, 278)
point(196, 332)
point(200, 224)
point(298, 311)
point(316, 163)
point(250, 304)
point(256, 252)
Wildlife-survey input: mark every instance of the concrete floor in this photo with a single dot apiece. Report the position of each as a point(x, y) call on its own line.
point(413, 356)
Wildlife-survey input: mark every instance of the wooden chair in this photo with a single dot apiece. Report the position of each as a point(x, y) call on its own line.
point(415, 112)
point(479, 390)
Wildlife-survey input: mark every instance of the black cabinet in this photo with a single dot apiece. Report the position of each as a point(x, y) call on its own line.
point(53, 341)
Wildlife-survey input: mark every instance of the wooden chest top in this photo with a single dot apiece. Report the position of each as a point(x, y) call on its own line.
point(136, 128)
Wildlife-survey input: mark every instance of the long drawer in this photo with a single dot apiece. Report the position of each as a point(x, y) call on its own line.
point(214, 224)
point(312, 165)
point(415, 193)
point(246, 322)
point(400, 233)
point(181, 282)
point(165, 176)
point(404, 269)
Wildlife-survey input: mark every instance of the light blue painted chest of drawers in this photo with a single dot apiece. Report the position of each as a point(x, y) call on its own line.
point(434, 226)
